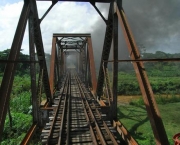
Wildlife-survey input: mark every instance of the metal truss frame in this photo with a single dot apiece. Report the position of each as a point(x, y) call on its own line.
point(86, 63)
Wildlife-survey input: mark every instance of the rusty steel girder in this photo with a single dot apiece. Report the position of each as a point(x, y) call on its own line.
point(7, 81)
point(85, 56)
point(40, 48)
point(106, 51)
point(52, 65)
point(35, 102)
point(92, 65)
point(29, 10)
point(86, 65)
point(115, 67)
point(145, 87)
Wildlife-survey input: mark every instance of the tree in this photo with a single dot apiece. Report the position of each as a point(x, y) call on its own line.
point(21, 67)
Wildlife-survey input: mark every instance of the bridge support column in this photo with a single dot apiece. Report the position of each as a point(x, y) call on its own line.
point(62, 62)
point(40, 49)
point(105, 51)
point(145, 87)
point(35, 101)
point(115, 67)
point(9, 72)
point(52, 66)
point(92, 66)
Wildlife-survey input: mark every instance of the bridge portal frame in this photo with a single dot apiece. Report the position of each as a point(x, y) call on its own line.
point(30, 13)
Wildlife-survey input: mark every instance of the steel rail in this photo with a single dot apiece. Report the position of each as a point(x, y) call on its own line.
point(87, 117)
point(104, 124)
point(124, 133)
point(68, 113)
point(64, 109)
point(107, 129)
point(56, 112)
point(92, 115)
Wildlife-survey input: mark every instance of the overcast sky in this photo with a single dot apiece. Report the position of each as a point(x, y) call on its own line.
point(155, 25)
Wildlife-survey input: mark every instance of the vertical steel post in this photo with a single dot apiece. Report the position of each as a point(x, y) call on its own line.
point(7, 81)
point(92, 65)
point(77, 58)
point(115, 67)
point(52, 65)
point(106, 50)
point(87, 66)
point(35, 101)
point(80, 62)
point(145, 87)
point(57, 63)
point(59, 58)
point(62, 62)
point(40, 49)
point(83, 57)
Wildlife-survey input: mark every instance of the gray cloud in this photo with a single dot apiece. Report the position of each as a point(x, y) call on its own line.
point(154, 23)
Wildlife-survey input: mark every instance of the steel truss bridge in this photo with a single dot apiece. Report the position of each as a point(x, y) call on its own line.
point(75, 112)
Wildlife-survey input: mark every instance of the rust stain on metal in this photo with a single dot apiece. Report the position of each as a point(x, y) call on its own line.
point(52, 65)
point(92, 65)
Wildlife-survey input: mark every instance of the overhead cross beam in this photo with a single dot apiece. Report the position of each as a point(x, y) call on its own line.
point(85, 55)
point(98, 1)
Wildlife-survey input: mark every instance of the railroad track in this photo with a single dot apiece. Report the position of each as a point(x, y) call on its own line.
point(77, 118)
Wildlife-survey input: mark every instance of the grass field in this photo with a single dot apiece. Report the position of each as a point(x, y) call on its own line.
point(136, 121)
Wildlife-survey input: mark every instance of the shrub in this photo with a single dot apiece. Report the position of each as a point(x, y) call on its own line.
point(21, 103)
point(20, 124)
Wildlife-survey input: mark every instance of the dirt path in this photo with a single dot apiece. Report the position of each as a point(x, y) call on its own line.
point(127, 99)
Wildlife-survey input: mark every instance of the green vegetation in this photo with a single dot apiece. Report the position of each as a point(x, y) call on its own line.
point(22, 68)
point(128, 85)
point(20, 124)
point(160, 99)
point(164, 78)
point(136, 121)
point(20, 119)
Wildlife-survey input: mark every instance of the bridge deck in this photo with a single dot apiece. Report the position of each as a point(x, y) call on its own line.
point(77, 117)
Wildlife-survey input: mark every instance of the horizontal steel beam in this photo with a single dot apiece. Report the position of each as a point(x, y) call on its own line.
point(70, 43)
point(70, 47)
point(146, 60)
point(71, 52)
point(98, 1)
point(71, 35)
point(17, 61)
point(29, 134)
